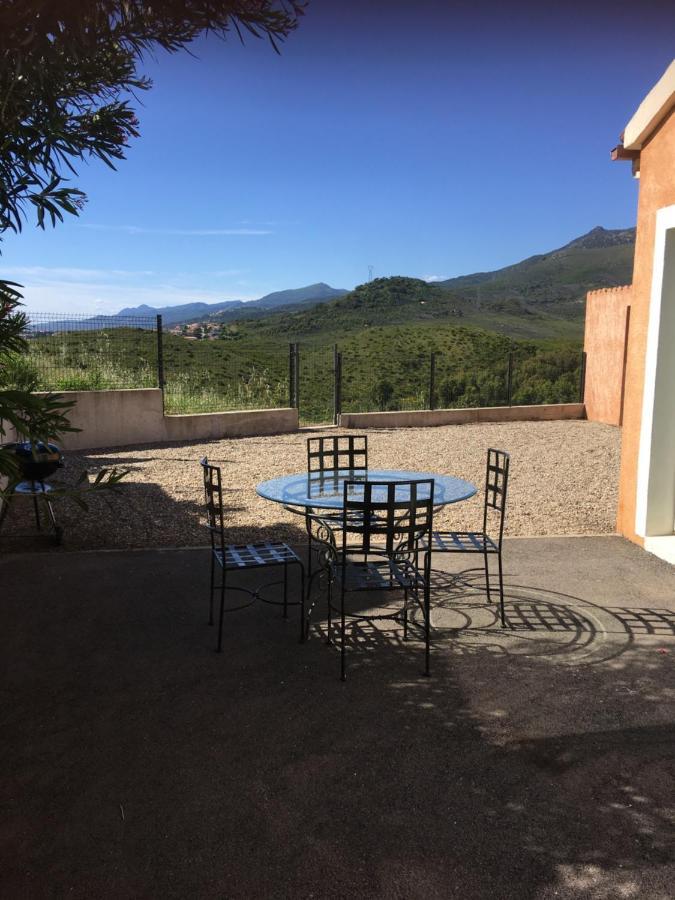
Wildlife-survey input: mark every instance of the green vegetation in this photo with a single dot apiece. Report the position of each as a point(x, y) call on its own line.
point(384, 367)
point(553, 284)
point(386, 330)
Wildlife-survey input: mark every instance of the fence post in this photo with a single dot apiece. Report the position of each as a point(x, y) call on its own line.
point(432, 380)
point(296, 377)
point(509, 380)
point(160, 358)
point(291, 375)
point(337, 384)
point(582, 377)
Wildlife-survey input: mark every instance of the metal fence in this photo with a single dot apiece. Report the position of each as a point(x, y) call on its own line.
point(80, 353)
point(208, 370)
point(216, 375)
point(441, 381)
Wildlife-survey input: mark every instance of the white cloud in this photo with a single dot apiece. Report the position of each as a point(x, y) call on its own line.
point(431, 278)
point(181, 232)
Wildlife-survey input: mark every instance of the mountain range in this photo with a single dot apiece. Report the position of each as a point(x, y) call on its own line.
point(542, 296)
point(600, 258)
point(191, 312)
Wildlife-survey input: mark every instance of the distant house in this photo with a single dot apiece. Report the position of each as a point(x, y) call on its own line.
point(630, 334)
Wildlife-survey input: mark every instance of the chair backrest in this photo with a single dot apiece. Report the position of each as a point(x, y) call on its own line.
point(345, 451)
point(496, 484)
point(213, 495)
point(394, 513)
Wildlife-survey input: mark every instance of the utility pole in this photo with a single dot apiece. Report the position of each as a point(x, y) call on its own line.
point(370, 273)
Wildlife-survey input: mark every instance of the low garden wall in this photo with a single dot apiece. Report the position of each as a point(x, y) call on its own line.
point(125, 417)
point(421, 417)
point(121, 418)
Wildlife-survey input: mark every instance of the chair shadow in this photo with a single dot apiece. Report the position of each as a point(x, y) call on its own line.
point(540, 622)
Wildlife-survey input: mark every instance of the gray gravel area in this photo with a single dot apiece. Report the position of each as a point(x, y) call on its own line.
point(564, 481)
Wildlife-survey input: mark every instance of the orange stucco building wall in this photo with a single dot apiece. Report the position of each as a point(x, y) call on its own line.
point(657, 189)
point(605, 337)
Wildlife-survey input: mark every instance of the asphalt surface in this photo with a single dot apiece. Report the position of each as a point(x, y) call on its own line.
point(536, 762)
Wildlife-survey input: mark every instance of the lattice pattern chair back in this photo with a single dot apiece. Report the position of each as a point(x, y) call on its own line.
point(496, 484)
point(213, 495)
point(346, 451)
point(395, 514)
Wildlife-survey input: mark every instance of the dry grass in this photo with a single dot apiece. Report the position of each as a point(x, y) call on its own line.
point(564, 481)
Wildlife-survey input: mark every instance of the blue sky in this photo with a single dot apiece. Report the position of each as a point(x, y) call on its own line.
point(423, 138)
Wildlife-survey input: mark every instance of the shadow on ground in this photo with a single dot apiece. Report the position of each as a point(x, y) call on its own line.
point(136, 514)
point(138, 763)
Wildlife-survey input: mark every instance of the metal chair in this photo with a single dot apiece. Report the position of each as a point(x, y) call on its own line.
point(388, 519)
point(331, 453)
point(236, 557)
point(494, 506)
point(345, 451)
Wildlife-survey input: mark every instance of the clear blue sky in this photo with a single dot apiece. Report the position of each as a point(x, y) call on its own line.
point(429, 139)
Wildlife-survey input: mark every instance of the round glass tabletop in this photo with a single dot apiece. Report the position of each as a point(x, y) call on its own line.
point(325, 490)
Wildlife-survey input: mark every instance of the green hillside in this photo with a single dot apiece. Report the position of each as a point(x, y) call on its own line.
point(555, 283)
point(542, 297)
point(386, 330)
point(403, 301)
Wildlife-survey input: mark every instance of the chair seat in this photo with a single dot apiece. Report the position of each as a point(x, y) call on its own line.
point(253, 556)
point(460, 542)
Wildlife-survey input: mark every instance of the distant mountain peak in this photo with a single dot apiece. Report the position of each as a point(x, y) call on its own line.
point(599, 237)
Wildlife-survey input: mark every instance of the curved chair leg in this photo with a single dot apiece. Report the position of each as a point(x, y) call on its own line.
point(343, 671)
point(213, 576)
point(303, 628)
point(222, 613)
point(427, 628)
point(329, 618)
point(285, 613)
point(501, 589)
point(487, 576)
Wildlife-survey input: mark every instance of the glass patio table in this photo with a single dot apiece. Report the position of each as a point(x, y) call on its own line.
point(319, 497)
point(306, 492)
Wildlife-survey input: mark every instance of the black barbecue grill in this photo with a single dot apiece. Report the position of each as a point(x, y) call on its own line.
point(37, 462)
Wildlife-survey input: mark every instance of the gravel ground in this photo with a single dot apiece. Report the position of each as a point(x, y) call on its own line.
point(563, 481)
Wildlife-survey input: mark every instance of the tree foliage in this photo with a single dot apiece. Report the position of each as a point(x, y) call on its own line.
point(69, 70)
point(69, 74)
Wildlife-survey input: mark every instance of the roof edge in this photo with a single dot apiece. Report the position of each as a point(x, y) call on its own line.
point(651, 112)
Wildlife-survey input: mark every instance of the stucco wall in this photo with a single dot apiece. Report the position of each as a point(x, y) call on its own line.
point(606, 332)
point(657, 189)
point(421, 417)
point(120, 418)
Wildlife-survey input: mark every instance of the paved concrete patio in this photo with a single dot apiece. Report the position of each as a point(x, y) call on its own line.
point(537, 762)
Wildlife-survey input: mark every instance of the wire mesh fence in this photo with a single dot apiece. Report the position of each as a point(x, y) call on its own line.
point(395, 381)
point(217, 375)
point(316, 395)
point(204, 370)
point(445, 381)
point(83, 353)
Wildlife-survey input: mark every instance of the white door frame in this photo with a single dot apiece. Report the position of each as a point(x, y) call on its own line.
point(655, 506)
